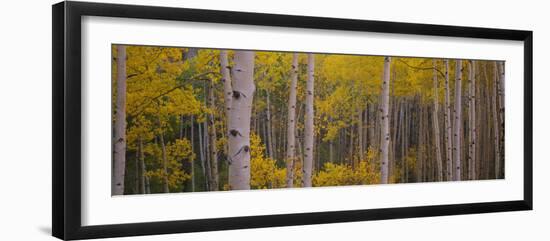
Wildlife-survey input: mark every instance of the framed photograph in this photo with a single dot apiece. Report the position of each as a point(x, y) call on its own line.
point(172, 120)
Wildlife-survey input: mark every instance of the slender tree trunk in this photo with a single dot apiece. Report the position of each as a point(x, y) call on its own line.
point(371, 125)
point(394, 142)
point(420, 144)
point(190, 53)
point(119, 168)
point(458, 120)
point(147, 185)
point(291, 128)
point(351, 145)
point(308, 125)
point(142, 166)
point(207, 149)
point(227, 91)
point(472, 124)
point(501, 115)
point(270, 145)
point(496, 119)
point(192, 151)
point(203, 157)
point(403, 137)
point(366, 128)
point(487, 135)
point(407, 140)
point(435, 119)
point(226, 79)
point(213, 149)
point(239, 129)
point(478, 121)
point(360, 133)
point(164, 161)
point(448, 127)
point(384, 122)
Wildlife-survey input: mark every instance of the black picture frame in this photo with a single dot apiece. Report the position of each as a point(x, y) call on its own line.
point(66, 58)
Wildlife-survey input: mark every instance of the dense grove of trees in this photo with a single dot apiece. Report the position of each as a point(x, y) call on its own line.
point(189, 119)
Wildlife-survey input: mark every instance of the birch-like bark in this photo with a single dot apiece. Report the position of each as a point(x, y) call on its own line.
point(228, 95)
point(212, 136)
point(384, 122)
point(119, 167)
point(190, 53)
point(472, 122)
point(458, 121)
point(203, 156)
point(142, 167)
point(501, 111)
point(448, 127)
point(435, 120)
point(240, 115)
point(360, 133)
point(270, 145)
point(496, 119)
point(350, 144)
point(291, 132)
point(164, 163)
point(226, 79)
point(420, 144)
point(192, 151)
point(308, 125)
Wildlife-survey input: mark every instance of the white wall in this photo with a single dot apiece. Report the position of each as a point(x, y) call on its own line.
point(25, 119)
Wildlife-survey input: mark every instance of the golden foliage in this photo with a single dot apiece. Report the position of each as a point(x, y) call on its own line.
point(264, 172)
point(334, 174)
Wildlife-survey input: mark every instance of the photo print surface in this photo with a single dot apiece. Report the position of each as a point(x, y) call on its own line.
point(195, 119)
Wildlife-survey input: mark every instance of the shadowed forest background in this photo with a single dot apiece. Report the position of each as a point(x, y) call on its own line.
point(190, 119)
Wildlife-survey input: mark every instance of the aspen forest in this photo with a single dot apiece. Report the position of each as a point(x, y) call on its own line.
point(196, 119)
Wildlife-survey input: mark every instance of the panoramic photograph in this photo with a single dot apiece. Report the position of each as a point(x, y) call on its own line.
point(188, 119)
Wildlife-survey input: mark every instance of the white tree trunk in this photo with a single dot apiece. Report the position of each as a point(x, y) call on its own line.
point(225, 70)
point(360, 133)
point(270, 146)
point(213, 150)
point(192, 151)
point(308, 125)
point(496, 119)
point(203, 156)
point(226, 79)
point(472, 122)
point(166, 189)
point(501, 111)
point(143, 170)
point(240, 115)
point(291, 133)
point(458, 120)
point(448, 127)
point(384, 121)
point(117, 184)
point(435, 119)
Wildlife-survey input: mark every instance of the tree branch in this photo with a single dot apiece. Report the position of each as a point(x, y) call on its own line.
point(141, 107)
point(422, 68)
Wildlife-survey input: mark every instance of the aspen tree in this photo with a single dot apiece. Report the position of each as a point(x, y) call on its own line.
point(435, 120)
point(501, 111)
point(496, 119)
point(308, 125)
point(384, 122)
point(291, 125)
point(213, 140)
point(458, 121)
point(448, 127)
point(119, 167)
point(472, 122)
point(240, 115)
